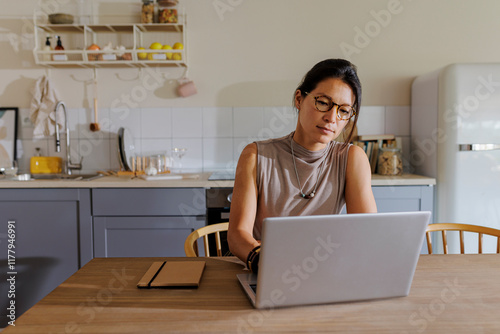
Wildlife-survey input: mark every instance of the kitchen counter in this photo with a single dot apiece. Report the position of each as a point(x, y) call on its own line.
point(200, 182)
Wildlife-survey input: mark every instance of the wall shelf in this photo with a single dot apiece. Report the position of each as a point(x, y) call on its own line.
point(78, 37)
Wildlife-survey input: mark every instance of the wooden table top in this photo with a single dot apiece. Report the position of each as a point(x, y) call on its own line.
point(449, 294)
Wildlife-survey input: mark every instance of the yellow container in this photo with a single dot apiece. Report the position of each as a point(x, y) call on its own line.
point(45, 165)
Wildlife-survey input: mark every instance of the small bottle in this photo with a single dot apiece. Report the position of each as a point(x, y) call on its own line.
point(59, 44)
point(47, 47)
point(59, 47)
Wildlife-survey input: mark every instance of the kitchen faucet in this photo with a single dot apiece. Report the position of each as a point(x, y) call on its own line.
point(69, 165)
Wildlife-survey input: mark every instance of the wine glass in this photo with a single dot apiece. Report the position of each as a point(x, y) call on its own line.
point(178, 153)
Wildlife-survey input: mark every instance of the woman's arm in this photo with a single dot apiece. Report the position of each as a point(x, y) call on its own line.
point(358, 189)
point(244, 205)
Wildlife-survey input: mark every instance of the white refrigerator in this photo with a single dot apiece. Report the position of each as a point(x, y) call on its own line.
point(455, 138)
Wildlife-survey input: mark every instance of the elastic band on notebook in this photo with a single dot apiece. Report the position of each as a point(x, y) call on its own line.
point(157, 272)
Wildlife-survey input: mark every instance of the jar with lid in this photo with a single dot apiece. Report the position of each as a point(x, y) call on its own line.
point(167, 13)
point(148, 10)
point(390, 161)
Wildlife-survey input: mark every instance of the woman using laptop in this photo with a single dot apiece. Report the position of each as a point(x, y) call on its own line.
point(306, 172)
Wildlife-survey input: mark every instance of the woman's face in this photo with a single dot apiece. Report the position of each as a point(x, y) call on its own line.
point(315, 129)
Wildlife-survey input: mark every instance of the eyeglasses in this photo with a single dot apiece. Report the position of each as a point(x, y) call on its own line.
point(324, 103)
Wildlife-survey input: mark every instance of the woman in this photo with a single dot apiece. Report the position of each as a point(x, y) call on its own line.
point(306, 172)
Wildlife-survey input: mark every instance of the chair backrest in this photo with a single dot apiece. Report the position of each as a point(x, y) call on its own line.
point(191, 247)
point(443, 227)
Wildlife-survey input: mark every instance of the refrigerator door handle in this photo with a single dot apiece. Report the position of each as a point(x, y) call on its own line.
point(478, 147)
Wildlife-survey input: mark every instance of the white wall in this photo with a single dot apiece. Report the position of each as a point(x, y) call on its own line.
point(251, 53)
point(256, 53)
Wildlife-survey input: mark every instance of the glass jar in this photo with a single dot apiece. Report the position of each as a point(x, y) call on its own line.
point(390, 161)
point(166, 14)
point(148, 10)
point(158, 162)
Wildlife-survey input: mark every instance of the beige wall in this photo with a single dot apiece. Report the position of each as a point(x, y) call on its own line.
point(255, 53)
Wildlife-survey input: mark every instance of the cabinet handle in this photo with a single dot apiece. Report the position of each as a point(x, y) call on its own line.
point(478, 147)
point(230, 197)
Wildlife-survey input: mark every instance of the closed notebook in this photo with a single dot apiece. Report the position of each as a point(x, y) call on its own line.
point(173, 274)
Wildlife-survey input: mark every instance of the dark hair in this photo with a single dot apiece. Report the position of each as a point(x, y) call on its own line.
point(334, 68)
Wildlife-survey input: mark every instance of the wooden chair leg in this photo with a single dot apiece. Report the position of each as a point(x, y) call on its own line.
point(218, 244)
point(429, 242)
point(445, 243)
point(462, 247)
point(205, 244)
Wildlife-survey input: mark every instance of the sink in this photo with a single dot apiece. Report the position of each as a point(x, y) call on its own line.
point(73, 177)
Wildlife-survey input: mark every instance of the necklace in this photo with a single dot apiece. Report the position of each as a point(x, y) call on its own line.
point(311, 195)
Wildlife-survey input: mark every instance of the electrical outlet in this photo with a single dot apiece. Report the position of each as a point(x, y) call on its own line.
point(26, 122)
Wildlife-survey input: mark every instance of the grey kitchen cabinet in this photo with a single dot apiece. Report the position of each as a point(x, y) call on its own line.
point(145, 222)
point(404, 198)
point(52, 239)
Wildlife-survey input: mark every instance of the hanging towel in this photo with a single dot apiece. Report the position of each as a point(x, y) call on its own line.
point(42, 107)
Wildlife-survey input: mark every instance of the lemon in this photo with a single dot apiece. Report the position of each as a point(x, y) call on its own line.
point(155, 46)
point(178, 46)
point(168, 47)
point(141, 55)
point(177, 56)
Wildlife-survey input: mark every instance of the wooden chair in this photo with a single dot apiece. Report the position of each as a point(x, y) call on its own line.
point(191, 247)
point(443, 227)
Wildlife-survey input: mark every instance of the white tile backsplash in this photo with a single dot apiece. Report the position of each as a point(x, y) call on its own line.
point(217, 122)
point(213, 136)
point(156, 123)
point(187, 123)
point(217, 153)
point(193, 159)
point(80, 123)
point(371, 120)
point(96, 155)
point(156, 146)
point(248, 121)
point(126, 118)
point(280, 121)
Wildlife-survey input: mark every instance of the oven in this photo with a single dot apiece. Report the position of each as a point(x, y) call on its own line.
point(218, 206)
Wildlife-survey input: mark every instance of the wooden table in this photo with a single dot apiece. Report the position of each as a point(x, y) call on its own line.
point(450, 294)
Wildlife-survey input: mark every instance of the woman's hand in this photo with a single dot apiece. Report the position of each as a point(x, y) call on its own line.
point(244, 205)
point(358, 187)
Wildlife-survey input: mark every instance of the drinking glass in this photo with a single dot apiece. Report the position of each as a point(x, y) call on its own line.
point(178, 153)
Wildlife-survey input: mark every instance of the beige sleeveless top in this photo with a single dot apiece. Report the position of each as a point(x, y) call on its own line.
point(278, 190)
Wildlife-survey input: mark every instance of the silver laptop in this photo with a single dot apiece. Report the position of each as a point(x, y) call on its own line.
point(336, 258)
